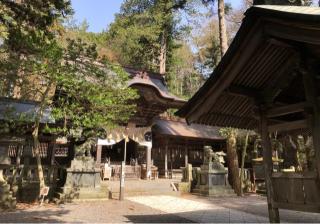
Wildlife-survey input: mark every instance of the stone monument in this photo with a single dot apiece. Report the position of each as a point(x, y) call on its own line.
point(83, 177)
point(213, 175)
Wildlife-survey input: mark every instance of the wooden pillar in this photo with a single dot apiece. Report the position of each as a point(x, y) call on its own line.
point(311, 97)
point(186, 155)
point(148, 162)
point(171, 157)
point(53, 153)
point(19, 152)
point(268, 167)
point(166, 160)
point(98, 155)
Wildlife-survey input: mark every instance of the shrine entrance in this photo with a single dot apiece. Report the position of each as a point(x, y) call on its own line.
point(114, 154)
point(131, 144)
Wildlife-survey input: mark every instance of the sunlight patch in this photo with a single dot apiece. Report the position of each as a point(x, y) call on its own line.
point(170, 204)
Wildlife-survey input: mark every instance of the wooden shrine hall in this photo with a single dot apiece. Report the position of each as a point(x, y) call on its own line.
point(175, 144)
point(154, 100)
point(269, 80)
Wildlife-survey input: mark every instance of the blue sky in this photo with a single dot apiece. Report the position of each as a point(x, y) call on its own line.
point(100, 13)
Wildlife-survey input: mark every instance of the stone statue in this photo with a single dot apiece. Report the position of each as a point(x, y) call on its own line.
point(208, 155)
point(214, 160)
point(213, 175)
point(84, 148)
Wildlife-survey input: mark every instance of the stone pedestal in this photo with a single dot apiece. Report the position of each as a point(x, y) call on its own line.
point(82, 181)
point(213, 176)
point(185, 184)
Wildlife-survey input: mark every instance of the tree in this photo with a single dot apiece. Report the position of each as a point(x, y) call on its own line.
point(90, 94)
point(206, 42)
point(81, 92)
point(243, 156)
point(183, 78)
point(28, 22)
point(143, 33)
point(25, 26)
point(72, 30)
point(233, 162)
point(222, 25)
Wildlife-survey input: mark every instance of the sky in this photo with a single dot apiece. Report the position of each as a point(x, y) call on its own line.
point(100, 13)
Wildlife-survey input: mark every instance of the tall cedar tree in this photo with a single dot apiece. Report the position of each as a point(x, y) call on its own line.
point(143, 33)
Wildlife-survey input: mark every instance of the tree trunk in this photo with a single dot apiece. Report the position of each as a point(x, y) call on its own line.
point(36, 146)
point(233, 162)
point(222, 28)
point(244, 152)
point(163, 54)
point(35, 134)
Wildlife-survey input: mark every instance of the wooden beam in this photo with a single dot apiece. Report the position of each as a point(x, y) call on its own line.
point(288, 126)
point(242, 91)
point(268, 167)
point(287, 109)
point(98, 155)
point(280, 43)
point(286, 31)
point(53, 153)
point(166, 160)
point(186, 154)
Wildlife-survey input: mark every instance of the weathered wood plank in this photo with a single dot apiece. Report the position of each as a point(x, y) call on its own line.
point(286, 175)
point(312, 193)
point(280, 192)
point(298, 207)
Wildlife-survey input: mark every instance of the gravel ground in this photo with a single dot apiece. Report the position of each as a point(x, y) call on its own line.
point(156, 209)
point(89, 212)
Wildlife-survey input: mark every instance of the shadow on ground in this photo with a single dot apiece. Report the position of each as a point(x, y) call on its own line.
point(157, 218)
point(41, 215)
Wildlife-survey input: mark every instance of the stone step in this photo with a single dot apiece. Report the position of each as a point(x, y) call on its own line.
point(69, 195)
point(115, 195)
point(215, 191)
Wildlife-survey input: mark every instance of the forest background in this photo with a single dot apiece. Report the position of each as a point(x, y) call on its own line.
point(190, 32)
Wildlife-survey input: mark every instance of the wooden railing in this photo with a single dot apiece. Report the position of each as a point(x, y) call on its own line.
point(297, 191)
point(131, 172)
